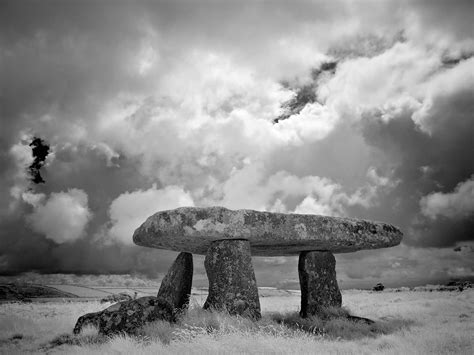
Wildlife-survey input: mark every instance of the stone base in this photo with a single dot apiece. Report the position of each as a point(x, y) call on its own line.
point(317, 272)
point(176, 285)
point(232, 284)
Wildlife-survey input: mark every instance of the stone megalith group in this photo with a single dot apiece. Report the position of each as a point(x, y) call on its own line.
point(229, 238)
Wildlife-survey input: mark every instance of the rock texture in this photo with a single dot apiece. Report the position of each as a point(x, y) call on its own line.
point(117, 297)
point(130, 316)
point(317, 272)
point(379, 287)
point(176, 285)
point(232, 284)
point(193, 229)
point(126, 316)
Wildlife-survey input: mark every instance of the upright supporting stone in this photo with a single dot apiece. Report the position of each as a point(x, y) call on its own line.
point(317, 271)
point(129, 316)
point(232, 284)
point(176, 287)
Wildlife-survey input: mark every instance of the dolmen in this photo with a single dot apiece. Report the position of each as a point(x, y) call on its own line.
point(229, 238)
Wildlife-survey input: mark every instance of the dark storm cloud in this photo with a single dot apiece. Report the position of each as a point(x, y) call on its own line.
point(63, 58)
point(25, 250)
point(426, 162)
point(449, 17)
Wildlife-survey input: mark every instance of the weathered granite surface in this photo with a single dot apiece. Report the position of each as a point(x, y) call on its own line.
point(129, 316)
point(126, 316)
point(319, 289)
point(232, 284)
point(176, 285)
point(193, 229)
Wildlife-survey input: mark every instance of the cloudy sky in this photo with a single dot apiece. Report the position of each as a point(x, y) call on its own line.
point(346, 108)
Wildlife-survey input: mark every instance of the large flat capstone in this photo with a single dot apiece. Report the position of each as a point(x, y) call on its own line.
point(193, 229)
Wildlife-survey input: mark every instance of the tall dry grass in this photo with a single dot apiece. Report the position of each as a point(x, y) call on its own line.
point(407, 323)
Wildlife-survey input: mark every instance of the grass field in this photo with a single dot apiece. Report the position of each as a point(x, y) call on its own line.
point(407, 323)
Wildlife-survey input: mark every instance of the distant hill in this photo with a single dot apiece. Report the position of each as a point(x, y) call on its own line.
point(25, 291)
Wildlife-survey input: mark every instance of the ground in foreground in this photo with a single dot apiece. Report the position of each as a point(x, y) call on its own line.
point(409, 322)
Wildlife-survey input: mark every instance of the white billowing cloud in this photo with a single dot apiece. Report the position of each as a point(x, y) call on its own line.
point(21, 153)
point(129, 210)
point(456, 204)
point(22, 157)
point(387, 82)
point(331, 199)
point(407, 78)
point(33, 199)
point(311, 205)
point(367, 195)
point(107, 152)
point(208, 107)
point(147, 58)
point(212, 114)
point(314, 122)
point(250, 187)
point(62, 217)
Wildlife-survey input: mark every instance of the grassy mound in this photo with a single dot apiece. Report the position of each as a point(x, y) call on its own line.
point(333, 323)
point(25, 291)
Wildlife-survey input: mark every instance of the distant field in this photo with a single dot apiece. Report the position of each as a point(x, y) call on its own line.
point(81, 291)
point(429, 323)
point(99, 292)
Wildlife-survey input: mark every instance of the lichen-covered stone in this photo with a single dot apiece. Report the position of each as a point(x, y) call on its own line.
point(193, 229)
point(176, 285)
point(126, 316)
point(317, 272)
point(164, 311)
point(232, 284)
point(130, 316)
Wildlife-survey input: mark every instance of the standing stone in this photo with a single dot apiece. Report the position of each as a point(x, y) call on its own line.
point(130, 316)
point(232, 284)
point(173, 295)
point(176, 285)
point(317, 271)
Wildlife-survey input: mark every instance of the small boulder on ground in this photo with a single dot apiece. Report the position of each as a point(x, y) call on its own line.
point(117, 314)
point(379, 287)
point(127, 316)
point(130, 315)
